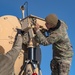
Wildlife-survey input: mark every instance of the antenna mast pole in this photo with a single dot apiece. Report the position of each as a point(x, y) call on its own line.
point(23, 8)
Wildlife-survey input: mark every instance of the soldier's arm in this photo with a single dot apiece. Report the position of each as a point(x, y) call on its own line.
point(17, 47)
point(52, 38)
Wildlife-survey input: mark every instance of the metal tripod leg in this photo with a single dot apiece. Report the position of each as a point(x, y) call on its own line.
point(32, 66)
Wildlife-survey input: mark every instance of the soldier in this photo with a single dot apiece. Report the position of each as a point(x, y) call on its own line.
point(58, 37)
point(7, 61)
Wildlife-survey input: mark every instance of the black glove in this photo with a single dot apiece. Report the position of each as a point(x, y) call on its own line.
point(19, 31)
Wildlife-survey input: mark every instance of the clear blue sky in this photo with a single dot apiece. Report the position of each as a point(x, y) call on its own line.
point(64, 9)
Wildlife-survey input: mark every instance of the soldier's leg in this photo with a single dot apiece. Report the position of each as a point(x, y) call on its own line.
point(54, 67)
point(64, 68)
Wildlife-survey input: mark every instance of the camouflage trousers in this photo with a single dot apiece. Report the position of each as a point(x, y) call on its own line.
point(60, 67)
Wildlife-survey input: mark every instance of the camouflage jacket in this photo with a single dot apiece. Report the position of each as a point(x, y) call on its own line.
point(7, 61)
point(59, 39)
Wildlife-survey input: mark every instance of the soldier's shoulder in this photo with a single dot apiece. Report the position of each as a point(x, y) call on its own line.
point(64, 24)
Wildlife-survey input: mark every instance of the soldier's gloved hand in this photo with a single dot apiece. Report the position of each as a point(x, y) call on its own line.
point(19, 31)
point(18, 39)
point(37, 26)
point(18, 34)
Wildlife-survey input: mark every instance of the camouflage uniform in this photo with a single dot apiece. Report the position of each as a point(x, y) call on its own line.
point(62, 49)
point(7, 61)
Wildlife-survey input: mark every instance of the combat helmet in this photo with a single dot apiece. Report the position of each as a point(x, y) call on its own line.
point(52, 19)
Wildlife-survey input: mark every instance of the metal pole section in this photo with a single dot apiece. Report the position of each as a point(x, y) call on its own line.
point(23, 16)
point(32, 53)
point(23, 11)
